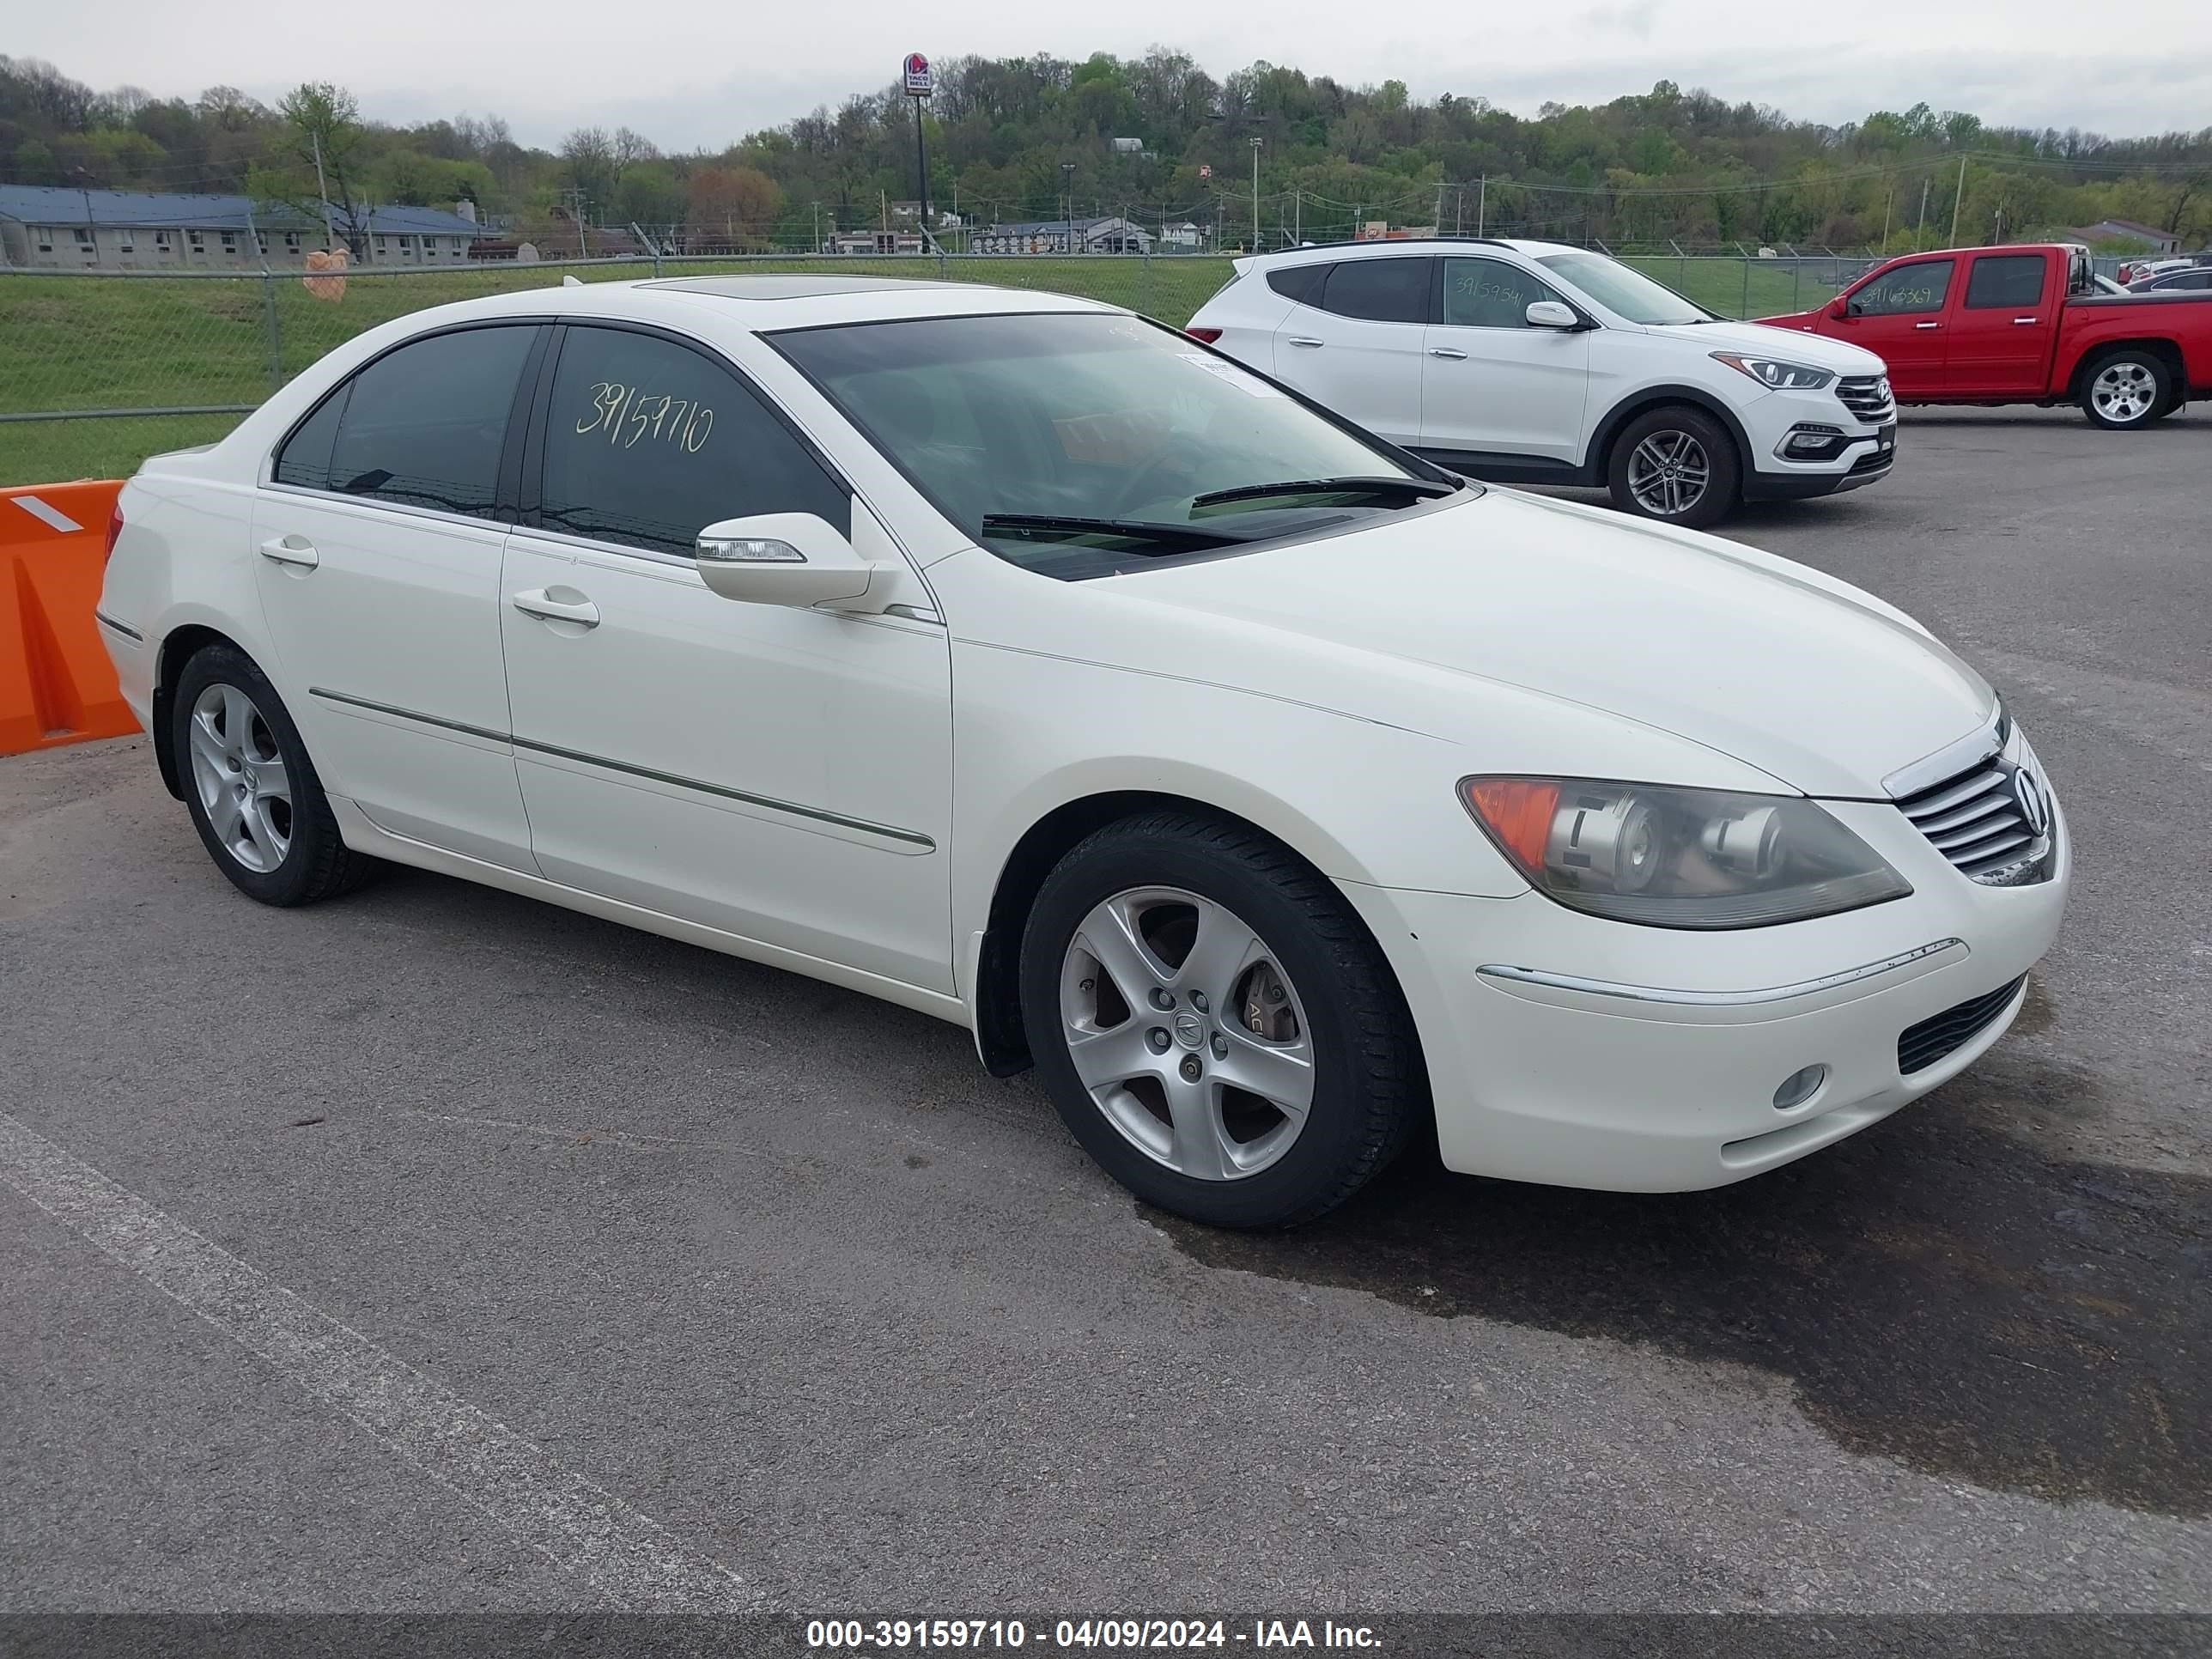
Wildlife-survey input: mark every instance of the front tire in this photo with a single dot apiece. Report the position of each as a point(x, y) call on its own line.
point(2127, 388)
point(1213, 1023)
point(252, 791)
point(1678, 465)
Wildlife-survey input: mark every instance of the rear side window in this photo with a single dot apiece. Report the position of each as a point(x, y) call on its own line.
point(424, 425)
point(647, 442)
point(2006, 282)
point(2186, 279)
point(305, 458)
point(1379, 290)
point(1914, 287)
point(1299, 283)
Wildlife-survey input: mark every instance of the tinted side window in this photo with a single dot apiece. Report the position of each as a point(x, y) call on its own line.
point(2184, 279)
point(1921, 287)
point(1490, 294)
point(305, 459)
point(1299, 283)
point(647, 442)
point(2005, 281)
point(1379, 290)
point(424, 424)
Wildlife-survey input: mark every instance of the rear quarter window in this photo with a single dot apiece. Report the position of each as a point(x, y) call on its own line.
point(1300, 283)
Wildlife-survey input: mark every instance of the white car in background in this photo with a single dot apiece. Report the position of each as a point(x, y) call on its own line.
point(1531, 363)
point(1021, 661)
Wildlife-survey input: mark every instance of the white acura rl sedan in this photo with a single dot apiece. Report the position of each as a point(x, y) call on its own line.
point(1017, 660)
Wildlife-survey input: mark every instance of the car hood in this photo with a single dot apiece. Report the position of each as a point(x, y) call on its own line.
point(1812, 682)
point(1786, 341)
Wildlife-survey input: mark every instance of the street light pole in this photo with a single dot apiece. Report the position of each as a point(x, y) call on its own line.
point(1256, 142)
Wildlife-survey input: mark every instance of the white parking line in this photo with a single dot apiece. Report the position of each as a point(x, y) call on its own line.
point(631, 1560)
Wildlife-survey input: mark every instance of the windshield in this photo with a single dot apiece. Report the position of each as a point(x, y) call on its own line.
point(1048, 434)
point(1628, 294)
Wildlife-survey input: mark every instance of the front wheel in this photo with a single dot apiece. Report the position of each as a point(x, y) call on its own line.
point(1214, 1025)
point(1678, 465)
point(2128, 388)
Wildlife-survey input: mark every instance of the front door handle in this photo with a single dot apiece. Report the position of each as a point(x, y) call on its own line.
point(291, 549)
point(2018, 321)
point(1305, 340)
point(1928, 325)
point(537, 602)
point(1452, 352)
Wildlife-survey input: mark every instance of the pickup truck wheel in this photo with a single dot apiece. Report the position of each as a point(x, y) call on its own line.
point(1678, 465)
point(2126, 388)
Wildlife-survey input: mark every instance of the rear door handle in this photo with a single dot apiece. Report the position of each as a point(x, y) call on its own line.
point(537, 602)
point(291, 549)
point(1928, 325)
point(1305, 340)
point(1453, 352)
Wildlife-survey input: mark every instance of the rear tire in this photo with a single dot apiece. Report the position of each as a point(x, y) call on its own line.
point(252, 791)
point(1678, 465)
point(1280, 1072)
point(2127, 388)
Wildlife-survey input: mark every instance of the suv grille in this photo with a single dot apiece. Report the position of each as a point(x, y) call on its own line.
point(1867, 396)
point(1919, 1046)
point(1977, 820)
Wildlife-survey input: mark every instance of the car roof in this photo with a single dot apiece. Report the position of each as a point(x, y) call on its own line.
point(765, 303)
point(1332, 251)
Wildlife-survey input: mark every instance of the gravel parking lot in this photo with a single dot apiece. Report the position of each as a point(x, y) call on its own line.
point(377, 1247)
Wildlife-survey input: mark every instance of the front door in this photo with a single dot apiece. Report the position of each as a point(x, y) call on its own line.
point(1359, 352)
point(782, 774)
point(1491, 383)
point(2003, 328)
point(378, 563)
point(1900, 316)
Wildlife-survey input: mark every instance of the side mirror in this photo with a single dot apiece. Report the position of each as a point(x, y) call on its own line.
point(784, 558)
point(1840, 310)
point(1551, 313)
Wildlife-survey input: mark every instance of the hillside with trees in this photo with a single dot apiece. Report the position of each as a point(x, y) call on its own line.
point(1030, 138)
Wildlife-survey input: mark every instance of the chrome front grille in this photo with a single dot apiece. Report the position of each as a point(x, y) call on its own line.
point(1986, 820)
point(1867, 396)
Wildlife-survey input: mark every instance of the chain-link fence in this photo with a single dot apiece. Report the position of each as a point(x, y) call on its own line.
point(97, 371)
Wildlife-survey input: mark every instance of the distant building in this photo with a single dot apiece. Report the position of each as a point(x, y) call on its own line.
point(1186, 234)
point(874, 241)
point(48, 229)
point(2114, 230)
point(1101, 235)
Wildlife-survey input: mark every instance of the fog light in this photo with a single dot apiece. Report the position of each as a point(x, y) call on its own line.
point(1799, 1087)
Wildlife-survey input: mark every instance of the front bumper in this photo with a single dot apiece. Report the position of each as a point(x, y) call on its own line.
point(1863, 452)
point(1646, 1060)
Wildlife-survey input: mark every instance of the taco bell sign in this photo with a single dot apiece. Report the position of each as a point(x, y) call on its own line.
point(919, 80)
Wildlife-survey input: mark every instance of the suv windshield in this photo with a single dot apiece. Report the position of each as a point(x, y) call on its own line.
point(1079, 442)
point(1625, 293)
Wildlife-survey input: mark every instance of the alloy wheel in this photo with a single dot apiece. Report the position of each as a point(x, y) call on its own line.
point(240, 773)
point(1668, 473)
point(1187, 1032)
point(2124, 392)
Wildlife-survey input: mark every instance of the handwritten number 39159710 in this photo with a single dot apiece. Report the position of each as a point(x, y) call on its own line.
point(629, 418)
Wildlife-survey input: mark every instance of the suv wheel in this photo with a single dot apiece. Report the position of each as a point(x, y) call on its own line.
point(1678, 465)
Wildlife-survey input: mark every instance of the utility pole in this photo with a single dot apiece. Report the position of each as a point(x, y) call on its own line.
point(1887, 201)
point(1256, 142)
point(1297, 215)
point(817, 227)
point(1481, 202)
point(1956, 199)
point(322, 190)
point(1920, 230)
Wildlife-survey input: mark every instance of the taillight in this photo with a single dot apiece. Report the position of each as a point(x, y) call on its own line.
point(1204, 335)
point(114, 529)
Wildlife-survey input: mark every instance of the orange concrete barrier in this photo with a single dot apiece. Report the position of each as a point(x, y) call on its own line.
point(57, 685)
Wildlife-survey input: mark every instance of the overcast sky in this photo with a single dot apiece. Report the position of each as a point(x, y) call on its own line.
point(700, 73)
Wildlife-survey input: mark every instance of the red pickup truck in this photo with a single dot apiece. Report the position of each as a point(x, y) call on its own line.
point(2023, 325)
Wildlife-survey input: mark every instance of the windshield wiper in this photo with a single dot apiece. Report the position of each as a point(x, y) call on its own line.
point(1167, 535)
point(1421, 488)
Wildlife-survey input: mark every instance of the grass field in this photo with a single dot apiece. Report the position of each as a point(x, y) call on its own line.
point(71, 342)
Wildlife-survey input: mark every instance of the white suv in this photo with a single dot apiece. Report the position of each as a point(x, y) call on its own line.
point(1531, 363)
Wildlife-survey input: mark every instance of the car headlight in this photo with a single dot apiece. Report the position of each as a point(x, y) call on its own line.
point(1679, 858)
point(1773, 372)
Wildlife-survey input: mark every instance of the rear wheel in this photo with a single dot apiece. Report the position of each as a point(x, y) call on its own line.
point(1678, 465)
point(1214, 1025)
point(2127, 388)
point(251, 788)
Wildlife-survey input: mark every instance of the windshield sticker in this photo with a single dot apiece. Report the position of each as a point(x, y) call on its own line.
point(630, 418)
point(1249, 385)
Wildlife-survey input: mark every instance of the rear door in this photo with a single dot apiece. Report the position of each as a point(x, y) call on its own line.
point(1358, 350)
point(1491, 383)
point(379, 532)
point(1901, 316)
point(2001, 330)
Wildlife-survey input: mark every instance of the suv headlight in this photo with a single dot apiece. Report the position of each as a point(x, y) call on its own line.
point(1773, 372)
point(1679, 858)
